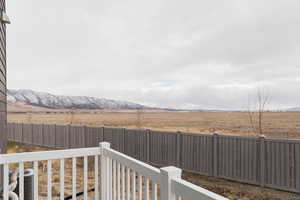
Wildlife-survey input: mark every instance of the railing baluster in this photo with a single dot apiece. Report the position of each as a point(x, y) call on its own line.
point(154, 191)
point(110, 161)
point(36, 179)
point(118, 182)
point(140, 187)
point(146, 189)
point(114, 180)
point(85, 177)
point(49, 169)
point(96, 177)
point(74, 175)
point(5, 181)
point(123, 182)
point(21, 181)
point(128, 183)
point(62, 179)
point(133, 185)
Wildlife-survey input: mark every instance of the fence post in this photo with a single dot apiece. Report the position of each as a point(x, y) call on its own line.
point(69, 136)
point(262, 160)
point(22, 133)
point(123, 138)
point(168, 173)
point(103, 134)
point(105, 173)
point(32, 133)
point(86, 137)
point(215, 154)
point(178, 144)
point(55, 136)
point(148, 145)
point(43, 134)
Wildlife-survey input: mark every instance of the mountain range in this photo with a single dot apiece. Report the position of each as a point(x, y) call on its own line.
point(47, 100)
point(51, 101)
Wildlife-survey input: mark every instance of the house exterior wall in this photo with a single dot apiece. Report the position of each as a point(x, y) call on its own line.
point(2, 81)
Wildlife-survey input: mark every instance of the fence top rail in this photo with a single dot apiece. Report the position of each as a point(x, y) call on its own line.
point(48, 155)
point(140, 167)
point(285, 140)
point(268, 138)
point(189, 191)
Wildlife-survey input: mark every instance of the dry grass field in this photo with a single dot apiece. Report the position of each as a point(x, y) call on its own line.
point(275, 124)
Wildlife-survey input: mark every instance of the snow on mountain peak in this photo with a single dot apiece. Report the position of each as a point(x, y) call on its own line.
point(48, 100)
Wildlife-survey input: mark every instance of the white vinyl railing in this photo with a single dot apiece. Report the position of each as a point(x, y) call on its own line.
point(122, 177)
point(49, 156)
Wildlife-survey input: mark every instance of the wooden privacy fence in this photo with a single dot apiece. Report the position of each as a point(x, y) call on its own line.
point(273, 163)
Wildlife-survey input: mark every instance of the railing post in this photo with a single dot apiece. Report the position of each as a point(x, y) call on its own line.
point(148, 145)
point(179, 152)
point(168, 173)
point(105, 173)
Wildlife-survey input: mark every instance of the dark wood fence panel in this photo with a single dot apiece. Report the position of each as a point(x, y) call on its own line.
point(77, 137)
point(93, 135)
point(238, 159)
point(37, 134)
point(62, 135)
point(136, 144)
point(273, 163)
point(11, 132)
point(115, 136)
point(297, 166)
point(282, 164)
point(49, 135)
point(18, 133)
point(27, 133)
point(163, 148)
point(197, 153)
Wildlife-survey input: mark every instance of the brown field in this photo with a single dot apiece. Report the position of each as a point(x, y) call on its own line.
point(233, 123)
point(275, 124)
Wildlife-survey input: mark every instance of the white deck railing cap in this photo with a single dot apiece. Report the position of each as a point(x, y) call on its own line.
point(171, 171)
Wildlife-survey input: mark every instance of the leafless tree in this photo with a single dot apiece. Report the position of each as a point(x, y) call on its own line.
point(256, 114)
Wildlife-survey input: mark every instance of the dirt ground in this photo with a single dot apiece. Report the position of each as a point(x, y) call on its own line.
point(275, 124)
point(230, 189)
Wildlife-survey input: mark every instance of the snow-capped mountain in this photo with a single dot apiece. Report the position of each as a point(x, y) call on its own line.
point(47, 100)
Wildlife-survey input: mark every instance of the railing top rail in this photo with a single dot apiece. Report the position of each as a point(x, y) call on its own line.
point(48, 155)
point(189, 191)
point(146, 170)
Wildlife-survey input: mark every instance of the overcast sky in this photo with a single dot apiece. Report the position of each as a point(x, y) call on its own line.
point(209, 54)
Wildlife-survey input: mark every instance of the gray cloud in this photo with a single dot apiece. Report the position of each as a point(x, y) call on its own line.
point(172, 53)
